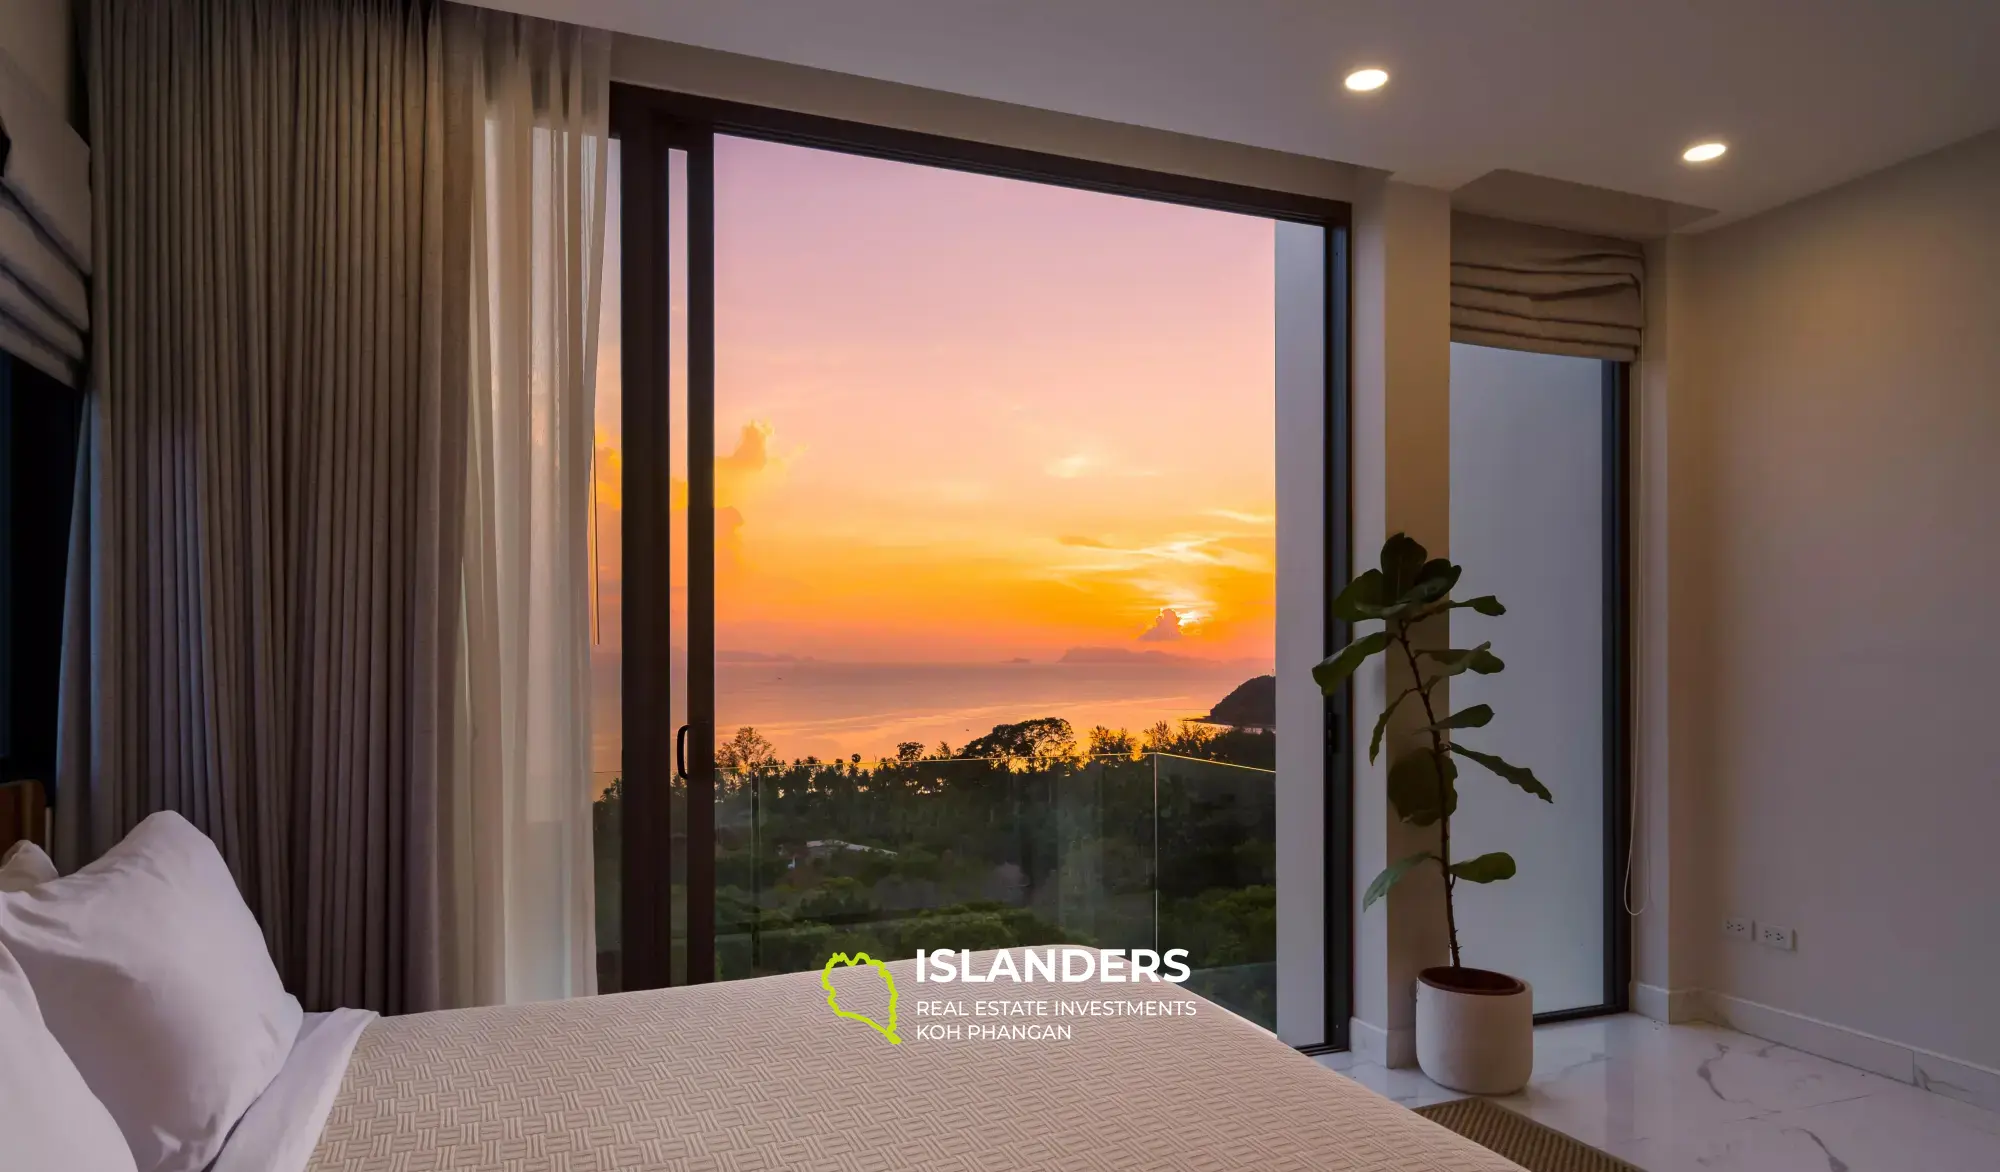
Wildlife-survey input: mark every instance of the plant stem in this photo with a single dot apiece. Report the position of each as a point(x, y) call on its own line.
point(1438, 764)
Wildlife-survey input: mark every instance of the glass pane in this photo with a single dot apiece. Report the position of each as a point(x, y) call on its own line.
point(1527, 523)
point(607, 561)
point(1217, 827)
point(995, 530)
point(1309, 835)
point(677, 541)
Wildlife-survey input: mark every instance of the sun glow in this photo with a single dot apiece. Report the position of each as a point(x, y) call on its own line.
point(970, 421)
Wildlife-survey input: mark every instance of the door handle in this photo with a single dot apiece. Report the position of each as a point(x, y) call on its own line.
point(680, 753)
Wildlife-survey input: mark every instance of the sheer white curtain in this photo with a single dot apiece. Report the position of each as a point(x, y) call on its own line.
point(519, 911)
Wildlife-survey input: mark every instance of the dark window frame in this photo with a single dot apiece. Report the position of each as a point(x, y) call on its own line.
point(652, 123)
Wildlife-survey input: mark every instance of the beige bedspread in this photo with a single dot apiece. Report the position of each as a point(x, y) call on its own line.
point(762, 1075)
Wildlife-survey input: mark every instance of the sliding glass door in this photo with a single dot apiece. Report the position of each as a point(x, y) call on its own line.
point(950, 582)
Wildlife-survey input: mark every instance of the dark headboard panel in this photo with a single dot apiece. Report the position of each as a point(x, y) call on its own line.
point(24, 813)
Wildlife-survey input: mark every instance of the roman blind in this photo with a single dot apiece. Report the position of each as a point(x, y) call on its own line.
point(1525, 287)
point(44, 229)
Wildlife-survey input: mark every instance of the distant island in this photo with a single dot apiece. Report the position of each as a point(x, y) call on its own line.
point(1253, 706)
point(1120, 655)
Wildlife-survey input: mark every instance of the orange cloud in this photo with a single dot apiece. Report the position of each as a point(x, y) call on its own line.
point(1165, 629)
point(1038, 434)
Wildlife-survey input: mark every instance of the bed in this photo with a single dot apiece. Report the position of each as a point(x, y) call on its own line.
point(760, 1074)
point(144, 1028)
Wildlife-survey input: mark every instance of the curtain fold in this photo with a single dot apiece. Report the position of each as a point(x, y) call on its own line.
point(520, 922)
point(265, 614)
point(1530, 288)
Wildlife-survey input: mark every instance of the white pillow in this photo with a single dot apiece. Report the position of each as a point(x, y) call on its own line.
point(25, 865)
point(49, 1120)
point(153, 975)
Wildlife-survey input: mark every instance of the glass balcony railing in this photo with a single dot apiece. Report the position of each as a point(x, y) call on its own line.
point(1131, 851)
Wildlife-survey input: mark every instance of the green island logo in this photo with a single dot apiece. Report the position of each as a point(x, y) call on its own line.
point(833, 998)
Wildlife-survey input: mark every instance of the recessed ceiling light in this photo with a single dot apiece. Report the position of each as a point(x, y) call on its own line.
point(1704, 152)
point(1363, 80)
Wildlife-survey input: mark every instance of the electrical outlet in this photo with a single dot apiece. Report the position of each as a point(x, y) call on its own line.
point(1739, 927)
point(1775, 936)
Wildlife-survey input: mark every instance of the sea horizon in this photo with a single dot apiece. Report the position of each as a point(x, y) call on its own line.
point(833, 709)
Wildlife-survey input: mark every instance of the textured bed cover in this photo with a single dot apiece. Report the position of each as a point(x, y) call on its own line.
point(762, 1074)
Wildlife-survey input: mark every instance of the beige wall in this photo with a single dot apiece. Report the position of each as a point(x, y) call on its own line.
point(753, 80)
point(1835, 435)
point(1672, 928)
point(36, 34)
point(1400, 448)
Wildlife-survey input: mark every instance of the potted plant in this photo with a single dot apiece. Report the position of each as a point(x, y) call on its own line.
point(1475, 1028)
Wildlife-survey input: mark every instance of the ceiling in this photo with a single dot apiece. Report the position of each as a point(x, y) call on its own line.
point(1807, 93)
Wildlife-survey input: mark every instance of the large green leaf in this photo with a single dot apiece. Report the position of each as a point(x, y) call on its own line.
point(1485, 604)
point(1414, 790)
point(1457, 661)
point(1434, 581)
point(1382, 722)
point(1390, 876)
point(1519, 775)
point(1477, 716)
point(1335, 669)
point(1361, 600)
point(1486, 868)
point(1403, 561)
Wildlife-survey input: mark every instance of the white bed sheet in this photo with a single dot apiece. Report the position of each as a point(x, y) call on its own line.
point(279, 1131)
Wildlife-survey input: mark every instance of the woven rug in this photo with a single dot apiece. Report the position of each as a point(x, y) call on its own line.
point(1519, 1138)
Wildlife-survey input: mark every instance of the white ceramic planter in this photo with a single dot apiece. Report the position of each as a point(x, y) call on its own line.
point(1475, 1030)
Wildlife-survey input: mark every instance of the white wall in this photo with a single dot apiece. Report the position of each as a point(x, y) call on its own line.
point(1300, 442)
point(1839, 530)
point(37, 35)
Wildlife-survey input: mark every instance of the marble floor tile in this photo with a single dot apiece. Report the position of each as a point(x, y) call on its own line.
point(1699, 1098)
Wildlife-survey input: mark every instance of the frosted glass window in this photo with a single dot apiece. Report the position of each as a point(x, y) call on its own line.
point(1528, 490)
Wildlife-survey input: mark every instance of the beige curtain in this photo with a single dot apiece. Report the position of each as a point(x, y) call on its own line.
point(266, 611)
point(521, 914)
point(1524, 287)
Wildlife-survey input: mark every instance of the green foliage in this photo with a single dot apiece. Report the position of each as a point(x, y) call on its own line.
point(1342, 663)
point(1519, 775)
point(1486, 868)
point(1160, 838)
point(1477, 716)
point(1361, 600)
point(1390, 876)
point(1417, 792)
point(1478, 660)
point(1105, 742)
point(1045, 738)
point(1382, 721)
point(1406, 590)
point(1226, 926)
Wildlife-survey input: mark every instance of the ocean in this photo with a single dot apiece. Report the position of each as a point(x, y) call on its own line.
point(835, 709)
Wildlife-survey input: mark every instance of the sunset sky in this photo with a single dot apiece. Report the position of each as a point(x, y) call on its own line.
point(963, 419)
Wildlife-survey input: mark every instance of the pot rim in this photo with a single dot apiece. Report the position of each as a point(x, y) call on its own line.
point(1440, 977)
